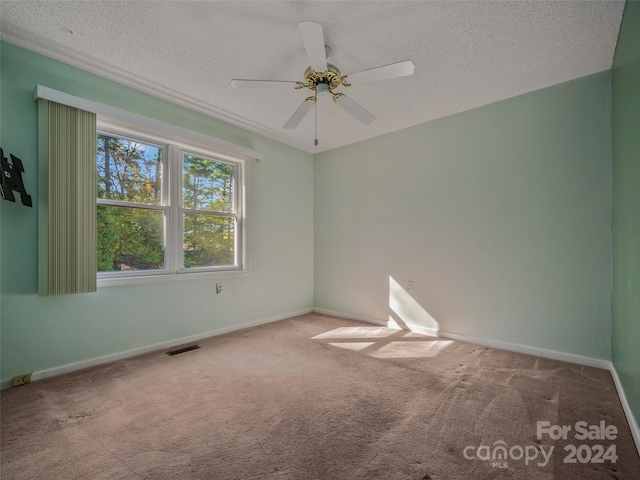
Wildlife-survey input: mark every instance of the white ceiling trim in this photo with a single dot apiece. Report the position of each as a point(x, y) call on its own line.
point(172, 132)
point(122, 77)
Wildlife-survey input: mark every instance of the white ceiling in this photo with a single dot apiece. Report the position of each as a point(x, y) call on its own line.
point(467, 54)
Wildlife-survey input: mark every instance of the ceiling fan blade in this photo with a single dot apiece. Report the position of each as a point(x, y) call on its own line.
point(354, 109)
point(279, 84)
point(395, 70)
point(299, 114)
point(313, 39)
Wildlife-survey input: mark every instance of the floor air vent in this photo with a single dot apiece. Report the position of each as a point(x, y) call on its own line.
point(187, 347)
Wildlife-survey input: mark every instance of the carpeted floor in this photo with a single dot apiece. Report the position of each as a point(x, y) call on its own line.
point(316, 397)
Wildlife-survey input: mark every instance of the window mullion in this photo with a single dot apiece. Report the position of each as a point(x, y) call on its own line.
point(174, 249)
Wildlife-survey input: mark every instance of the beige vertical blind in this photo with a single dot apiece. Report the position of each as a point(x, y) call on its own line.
point(71, 225)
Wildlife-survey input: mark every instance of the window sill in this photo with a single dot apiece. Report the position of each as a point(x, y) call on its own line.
point(168, 277)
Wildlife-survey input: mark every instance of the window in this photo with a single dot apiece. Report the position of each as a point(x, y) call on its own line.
point(164, 207)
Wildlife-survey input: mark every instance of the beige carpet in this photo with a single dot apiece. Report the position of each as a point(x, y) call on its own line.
point(315, 397)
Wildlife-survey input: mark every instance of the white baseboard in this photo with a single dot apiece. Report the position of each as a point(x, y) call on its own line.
point(349, 316)
point(511, 347)
point(631, 419)
point(529, 350)
point(518, 348)
point(374, 321)
point(91, 362)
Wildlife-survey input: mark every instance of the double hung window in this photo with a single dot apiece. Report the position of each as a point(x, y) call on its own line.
point(165, 207)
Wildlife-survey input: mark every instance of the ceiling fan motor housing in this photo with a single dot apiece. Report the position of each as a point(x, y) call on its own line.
point(331, 78)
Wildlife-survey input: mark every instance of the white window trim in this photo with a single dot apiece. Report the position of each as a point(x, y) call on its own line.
point(172, 163)
point(109, 116)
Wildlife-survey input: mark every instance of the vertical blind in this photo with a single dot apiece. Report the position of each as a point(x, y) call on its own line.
point(71, 224)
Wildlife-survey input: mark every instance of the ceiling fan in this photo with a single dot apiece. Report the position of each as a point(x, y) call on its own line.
point(323, 78)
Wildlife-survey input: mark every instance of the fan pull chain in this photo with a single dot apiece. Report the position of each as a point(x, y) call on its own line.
point(315, 114)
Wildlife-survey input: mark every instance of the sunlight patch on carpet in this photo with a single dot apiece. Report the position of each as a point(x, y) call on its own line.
point(356, 332)
point(355, 346)
point(411, 349)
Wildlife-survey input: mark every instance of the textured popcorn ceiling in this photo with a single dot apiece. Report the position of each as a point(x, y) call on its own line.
point(467, 54)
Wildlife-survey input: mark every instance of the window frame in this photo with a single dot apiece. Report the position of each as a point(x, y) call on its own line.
point(237, 210)
point(173, 208)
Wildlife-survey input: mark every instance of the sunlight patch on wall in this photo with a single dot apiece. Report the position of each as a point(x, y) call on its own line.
point(409, 313)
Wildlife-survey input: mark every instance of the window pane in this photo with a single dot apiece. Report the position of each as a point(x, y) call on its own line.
point(129, 171)
point(209, 241)
point(130, 239)
point(207, 184)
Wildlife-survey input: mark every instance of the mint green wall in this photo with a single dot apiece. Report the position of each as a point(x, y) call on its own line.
point(500, 216)
point(626, 205)
point(40, 333)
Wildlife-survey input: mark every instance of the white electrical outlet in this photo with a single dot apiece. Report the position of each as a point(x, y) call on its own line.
point(409, 286)
point(218, 288)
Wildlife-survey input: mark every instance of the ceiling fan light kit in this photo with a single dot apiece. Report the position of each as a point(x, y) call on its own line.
point(323, 78)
